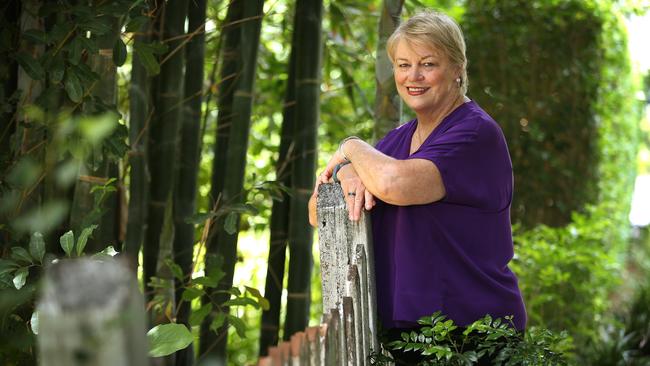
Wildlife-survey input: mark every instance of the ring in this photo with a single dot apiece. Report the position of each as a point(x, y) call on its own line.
point(352, 193)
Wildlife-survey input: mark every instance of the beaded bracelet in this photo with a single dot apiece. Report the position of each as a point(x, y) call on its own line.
point(343, 142)
point(336, 169)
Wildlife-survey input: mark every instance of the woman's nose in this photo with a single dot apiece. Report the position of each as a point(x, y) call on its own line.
point(415, 74)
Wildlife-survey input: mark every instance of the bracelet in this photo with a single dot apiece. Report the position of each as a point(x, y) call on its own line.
point(336, 169)
point(343, 142)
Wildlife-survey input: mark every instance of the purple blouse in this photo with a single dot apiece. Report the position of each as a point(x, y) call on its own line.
point(451, 255)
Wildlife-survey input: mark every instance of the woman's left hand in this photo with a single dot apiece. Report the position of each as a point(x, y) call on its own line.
point(357, 196)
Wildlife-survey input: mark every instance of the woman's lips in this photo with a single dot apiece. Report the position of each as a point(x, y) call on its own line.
point(416, 90)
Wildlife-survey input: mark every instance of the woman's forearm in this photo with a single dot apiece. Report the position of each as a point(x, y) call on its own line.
point(371, 165)
point(399, 182)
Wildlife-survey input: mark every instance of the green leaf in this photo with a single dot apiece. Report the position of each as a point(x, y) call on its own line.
point(242, 208)
point(230, 225)
point(175, 268)
point(36, 36)
point(119, 52)
point(90, 45)
point(74, 48)
point(242, 301)
point(200, 217)
point(73, 87)
point(20, 254)
point(7, 266)
point(31, 66)
point(192, 293)
point(33, 322)
point(147, 59)
point(233, 291)
point(196, 318)
point(57, 70)
point(217, 322)
point(239, 325)
point(108, 252)
point(20, 277)
point(37, 246)
point(206, 281)
point(264, 303)
point(67, 242)
point(136, 23)
point(166, 339)
point(157, 47)
point(83, 238)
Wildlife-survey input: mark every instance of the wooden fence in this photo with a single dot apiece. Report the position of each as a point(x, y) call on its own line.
point(92, 313)
point(348, 333)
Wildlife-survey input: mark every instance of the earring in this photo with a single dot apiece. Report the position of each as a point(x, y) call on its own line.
point(458, 81)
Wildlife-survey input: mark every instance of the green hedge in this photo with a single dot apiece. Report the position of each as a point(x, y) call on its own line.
point(556, 76)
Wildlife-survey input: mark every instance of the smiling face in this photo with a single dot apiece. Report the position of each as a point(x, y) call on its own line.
point(425, 78)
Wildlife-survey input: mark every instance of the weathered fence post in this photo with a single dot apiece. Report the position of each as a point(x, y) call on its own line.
point(348, 333)
point(91, 313)
point(347, 270)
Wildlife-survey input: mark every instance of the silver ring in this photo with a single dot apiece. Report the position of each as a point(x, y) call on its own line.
point(352, 193)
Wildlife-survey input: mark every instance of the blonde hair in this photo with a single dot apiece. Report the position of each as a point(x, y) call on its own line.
point(433, 29)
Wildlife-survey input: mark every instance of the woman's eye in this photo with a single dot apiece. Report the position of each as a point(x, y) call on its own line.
point(403, 66)
point(429, 64)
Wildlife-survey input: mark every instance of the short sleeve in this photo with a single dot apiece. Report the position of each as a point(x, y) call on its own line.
point(474, 163)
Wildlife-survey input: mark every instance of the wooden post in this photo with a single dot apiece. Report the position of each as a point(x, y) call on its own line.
point(91, 312)
point(345, 245)
point(350, 333)
point(353, 290)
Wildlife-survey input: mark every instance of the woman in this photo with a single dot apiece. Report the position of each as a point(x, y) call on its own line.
point(439, 187)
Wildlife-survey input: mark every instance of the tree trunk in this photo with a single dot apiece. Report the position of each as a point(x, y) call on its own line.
point(308, 63)
point(98, 168)
point(164, 133)
point(29, 137)
point(185, 201)
point(388, 105)
point(221, 242)
point(9, 80)
point(139, 94)
point(279, 227)
point(229, 74)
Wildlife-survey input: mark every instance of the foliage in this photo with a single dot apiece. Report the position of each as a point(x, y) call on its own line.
point(444, 343)
point(626, 339)
point(19, 276)
point(565, 274)
point(194, 288)
point(561, 91)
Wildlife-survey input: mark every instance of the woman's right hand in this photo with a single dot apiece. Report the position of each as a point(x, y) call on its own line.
point(311, 206)
point(356, 195)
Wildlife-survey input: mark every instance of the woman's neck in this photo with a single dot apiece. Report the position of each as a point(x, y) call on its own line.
point(427, 122)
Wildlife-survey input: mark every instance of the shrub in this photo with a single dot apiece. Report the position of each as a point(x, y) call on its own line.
point(438, 341)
